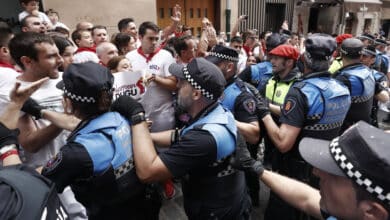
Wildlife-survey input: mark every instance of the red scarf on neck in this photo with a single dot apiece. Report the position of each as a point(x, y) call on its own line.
point(150, 56)
point(7, 65)
point(82, 49)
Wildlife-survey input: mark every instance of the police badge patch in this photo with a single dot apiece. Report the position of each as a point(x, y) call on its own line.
point(53, 163)
point(250, 105)
point(289, 106)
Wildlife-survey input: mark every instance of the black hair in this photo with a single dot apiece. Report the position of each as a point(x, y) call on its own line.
point(123, 23)
point(147, 25)
point(24, 44)
point(5, 36)
point(62, 43)
point(121, 40)
point(23, 23)
point(180, 43)
point(236, 39)
point(76, 35)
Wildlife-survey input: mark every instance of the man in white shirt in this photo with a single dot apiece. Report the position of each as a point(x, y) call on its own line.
point(154, 62)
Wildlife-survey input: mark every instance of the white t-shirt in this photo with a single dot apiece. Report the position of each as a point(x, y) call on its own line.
point(51, 97)
point(85, 56)
point(157, 101)
point(42, 15)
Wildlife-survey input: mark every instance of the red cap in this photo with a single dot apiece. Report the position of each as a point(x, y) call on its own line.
point(342, 37)
point(286, 51)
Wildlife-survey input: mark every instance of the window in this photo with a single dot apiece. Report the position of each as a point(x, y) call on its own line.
point(198, 12)
point(205, 12)
point(191, 13)
point(161, 12)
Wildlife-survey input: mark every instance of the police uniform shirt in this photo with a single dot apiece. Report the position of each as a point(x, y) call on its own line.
point(72, 162)
point(295, 109)
point(190, 158)
point(244, 109)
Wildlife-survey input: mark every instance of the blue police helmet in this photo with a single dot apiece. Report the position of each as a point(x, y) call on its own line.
point(275, 40)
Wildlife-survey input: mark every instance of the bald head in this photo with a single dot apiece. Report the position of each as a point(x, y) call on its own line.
point(106, 51)
point(84, 25)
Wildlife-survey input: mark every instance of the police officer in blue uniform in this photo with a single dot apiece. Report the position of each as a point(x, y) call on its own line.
point(97, 161)
point(382, 61)
point(381, 82)
point(315, 106)
point(199, 153)
point(259, 74)
point(242, 103)
point(359, 80)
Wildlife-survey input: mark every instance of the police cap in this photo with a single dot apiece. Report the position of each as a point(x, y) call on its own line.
point(275, 40)
point(83, 82)
point(351, 47)
point(320, 46)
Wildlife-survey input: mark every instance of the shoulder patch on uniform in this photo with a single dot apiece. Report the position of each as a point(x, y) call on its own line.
point(289, 105)
point(250, 105)
point(53, 163)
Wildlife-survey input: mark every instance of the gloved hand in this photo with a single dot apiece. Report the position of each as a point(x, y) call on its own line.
point(242, 159)
point(8, 136)
point(262, 107)
point(127, 106)
point(32, 107)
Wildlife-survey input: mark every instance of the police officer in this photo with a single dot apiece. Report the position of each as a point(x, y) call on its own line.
point(241, 102)
point(367, 39)
point(381, 82)
point(97, 161)
point(200, 152)
point(315, 106)
point(382, 62)
point(259, 74)
point(337, 62)
point(283, 59)
point(359, 80)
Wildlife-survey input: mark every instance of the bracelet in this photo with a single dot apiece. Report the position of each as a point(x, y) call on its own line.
point(9, 153)
point(174, 135)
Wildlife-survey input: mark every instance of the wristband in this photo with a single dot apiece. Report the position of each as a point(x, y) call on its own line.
point(9, 153)
point(6, 148)
point(138, 118)
point(174, 135)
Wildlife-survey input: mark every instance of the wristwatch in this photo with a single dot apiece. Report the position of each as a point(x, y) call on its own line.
point(138, 118)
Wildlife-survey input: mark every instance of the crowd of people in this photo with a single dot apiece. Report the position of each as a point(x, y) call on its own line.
point(94, 126)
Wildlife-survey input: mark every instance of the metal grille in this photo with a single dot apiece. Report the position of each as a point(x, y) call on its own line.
point(256, 9)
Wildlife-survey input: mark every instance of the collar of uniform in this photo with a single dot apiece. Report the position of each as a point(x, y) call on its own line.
point(81, 125)
point(204, 112)
point(350, 66)
point(230, 81)
point(317, 74)
point(292, 75)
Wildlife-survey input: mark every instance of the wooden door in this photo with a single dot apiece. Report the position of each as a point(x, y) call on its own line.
point(192, 11)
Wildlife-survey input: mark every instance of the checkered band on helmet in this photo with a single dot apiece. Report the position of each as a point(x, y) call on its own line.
point(79, 98)
point(223, 56)
point(191, 80)
point(359, 178)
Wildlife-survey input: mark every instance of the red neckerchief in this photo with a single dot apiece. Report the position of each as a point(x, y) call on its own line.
point(150, 56)
point(7, 65)
point(82, 49)
point(247, 50)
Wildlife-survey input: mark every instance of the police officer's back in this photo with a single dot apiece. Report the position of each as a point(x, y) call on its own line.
point(315, 106)
point(97, 161)
point(359, 80)
point(199, 153)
